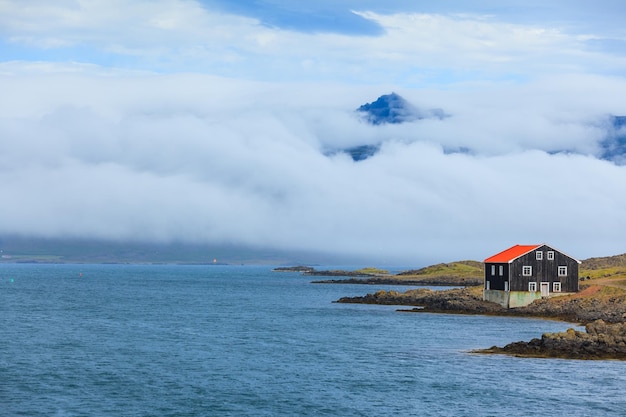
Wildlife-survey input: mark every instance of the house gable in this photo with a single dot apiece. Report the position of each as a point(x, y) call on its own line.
point(527, 272)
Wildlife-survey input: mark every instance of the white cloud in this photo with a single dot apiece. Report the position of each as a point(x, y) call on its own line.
point(205, 159)
point(414, 49)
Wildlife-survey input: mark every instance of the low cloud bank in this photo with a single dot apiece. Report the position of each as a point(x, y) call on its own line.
point(204, 159)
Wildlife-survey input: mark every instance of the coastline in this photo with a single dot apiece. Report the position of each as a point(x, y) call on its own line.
point(600, 341)
point(601, 309)
point(600, 304)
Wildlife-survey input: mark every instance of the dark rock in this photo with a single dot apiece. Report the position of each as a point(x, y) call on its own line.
point(600, 340)
point(460, 301)
point(298, 268)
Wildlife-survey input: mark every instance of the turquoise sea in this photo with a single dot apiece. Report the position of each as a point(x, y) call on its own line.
point(165, 340)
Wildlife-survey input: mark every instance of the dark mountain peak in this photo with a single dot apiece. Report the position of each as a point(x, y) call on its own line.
point(389, 108)
point(618, 121)
point(614, 144)
point(387, 101)
point(393, 108)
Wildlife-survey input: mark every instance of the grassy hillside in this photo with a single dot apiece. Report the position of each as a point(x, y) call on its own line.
point(459, 269)
point(608, 267)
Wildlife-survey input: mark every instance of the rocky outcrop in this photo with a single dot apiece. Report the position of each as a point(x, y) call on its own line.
point(299, 268)
point(580, 308)
point(460, 301)
point(600, 341)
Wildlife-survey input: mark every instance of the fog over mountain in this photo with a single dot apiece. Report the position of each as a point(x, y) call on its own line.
point(394, 109)
point(399, 132)
point(203, 159)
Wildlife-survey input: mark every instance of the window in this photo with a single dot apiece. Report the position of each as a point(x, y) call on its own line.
point(539, 255)
point(556, 287)
point(532, 286)
point(550, 255)
point(562, 271)
point(527, 271)
point(500, 270)
point(493, 270)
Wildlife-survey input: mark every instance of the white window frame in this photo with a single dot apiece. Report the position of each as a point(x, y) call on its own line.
point(493, 270)
point(562, 271)
point(551, 255)
point(527, 271)
point(539, 255)
point(556, 287)
point(501, 270)
point(532, 286)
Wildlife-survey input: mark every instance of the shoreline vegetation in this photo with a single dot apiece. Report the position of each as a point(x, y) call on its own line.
point(454, 274)
point(600, 305)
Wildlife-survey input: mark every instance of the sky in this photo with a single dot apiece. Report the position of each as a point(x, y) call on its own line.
point(209, 121)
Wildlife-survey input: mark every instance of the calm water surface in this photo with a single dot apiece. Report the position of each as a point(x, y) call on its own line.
point(113, 340)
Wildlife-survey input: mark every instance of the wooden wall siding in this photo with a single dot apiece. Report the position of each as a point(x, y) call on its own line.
point(496, 281)
point(544, 270)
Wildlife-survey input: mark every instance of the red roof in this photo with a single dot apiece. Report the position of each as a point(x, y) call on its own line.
point(511, 253)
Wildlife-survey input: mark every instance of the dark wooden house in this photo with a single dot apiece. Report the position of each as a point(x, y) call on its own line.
point(523, 273)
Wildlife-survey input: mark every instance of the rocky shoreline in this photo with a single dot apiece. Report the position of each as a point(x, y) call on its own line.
point(604, 314)
point(458, 301)
point(439, 281)
point(600, 341)
point(600, 305)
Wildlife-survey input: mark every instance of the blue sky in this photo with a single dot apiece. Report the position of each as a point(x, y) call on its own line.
point(347, 41)
point(210, 121)
point(335, 16)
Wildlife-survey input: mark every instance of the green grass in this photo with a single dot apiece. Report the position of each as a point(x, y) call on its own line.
point(606, 262)
point(468, 269)
point(372, 271)
point(607, 272)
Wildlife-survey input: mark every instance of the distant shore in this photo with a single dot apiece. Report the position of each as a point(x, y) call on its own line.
point(374, 276)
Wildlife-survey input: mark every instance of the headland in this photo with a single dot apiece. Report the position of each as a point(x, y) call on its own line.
point(600, 305)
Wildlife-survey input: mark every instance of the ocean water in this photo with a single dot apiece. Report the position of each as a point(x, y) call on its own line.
point(160, 340)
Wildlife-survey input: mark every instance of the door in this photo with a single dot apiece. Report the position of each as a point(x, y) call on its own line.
point(545, 289)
